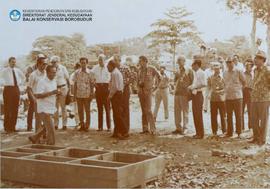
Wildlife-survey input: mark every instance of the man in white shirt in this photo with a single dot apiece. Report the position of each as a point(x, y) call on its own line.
point(46, 98)
point(116, 95)
point(198, 84)
point(12, 78)
point(33, 79)
point(31, 107)
point(62, 79)
point(102, 79)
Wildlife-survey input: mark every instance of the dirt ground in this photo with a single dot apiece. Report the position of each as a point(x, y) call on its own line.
point(207, 163)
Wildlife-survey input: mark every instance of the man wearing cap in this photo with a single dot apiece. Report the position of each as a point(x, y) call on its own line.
point(102, 79)
point(199, 83)
point(234, 82)
point(32, 89)
point(247, 92)
point(162, 93)
point(62, 79)
point(216, 87)
point(260, 98)
point(146, 78)
point(183, 79)
point(12, 78)
point(29, 71)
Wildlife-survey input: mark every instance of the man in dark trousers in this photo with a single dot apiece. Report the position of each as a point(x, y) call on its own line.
point(83, 92)
point(116, 96)
point(12, 78)
point(198, 84)
point(126, 93)
point(260, 98)
point(102, 79)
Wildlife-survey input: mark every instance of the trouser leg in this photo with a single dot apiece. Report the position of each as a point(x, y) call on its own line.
point(214, 113)
point(157, 102)
point(177, 113)
point(229, 110)
point(143, 109)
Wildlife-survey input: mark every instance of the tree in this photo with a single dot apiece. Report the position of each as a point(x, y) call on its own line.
point(173, 30)
point(260, 9)
point(69, 49)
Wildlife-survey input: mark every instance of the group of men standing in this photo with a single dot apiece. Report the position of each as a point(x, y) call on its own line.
point(230, 91)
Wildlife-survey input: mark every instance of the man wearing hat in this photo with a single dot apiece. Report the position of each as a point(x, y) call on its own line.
point(62, 79)
point(247, 92)
point(183, 79)
point(216, 87)
point(260, 98)
point(234, 82)
point(30, 69)
point(162, 93)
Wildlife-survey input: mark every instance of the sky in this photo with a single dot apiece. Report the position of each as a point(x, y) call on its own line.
point(115, 20)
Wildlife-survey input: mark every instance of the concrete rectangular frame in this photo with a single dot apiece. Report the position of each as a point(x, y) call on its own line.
point(70, 167)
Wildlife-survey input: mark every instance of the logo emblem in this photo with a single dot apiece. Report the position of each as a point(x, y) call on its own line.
point(15, 15)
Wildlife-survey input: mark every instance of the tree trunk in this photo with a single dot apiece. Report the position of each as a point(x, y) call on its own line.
point(173, 47)
point(253, 35)
point(268, 40)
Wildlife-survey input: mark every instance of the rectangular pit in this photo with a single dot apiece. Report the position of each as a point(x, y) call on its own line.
point(99, 163)
point(14, 154)
point(122, 157)
point(75, 153)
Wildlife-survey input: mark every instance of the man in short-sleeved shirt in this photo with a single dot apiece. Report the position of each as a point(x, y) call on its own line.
point(234, 82)
point(62, 80)
point(46, 98)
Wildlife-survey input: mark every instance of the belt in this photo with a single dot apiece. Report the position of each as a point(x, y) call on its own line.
point(60, 86)
point(102, 83)
point(163, 87)
point(11, 86)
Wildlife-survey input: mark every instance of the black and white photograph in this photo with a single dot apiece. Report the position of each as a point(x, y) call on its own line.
point(135, 93)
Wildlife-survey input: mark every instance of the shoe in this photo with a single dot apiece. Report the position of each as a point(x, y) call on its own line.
point(113, 136)
point(81, 129)
point(99, 129)
point(144, 132)
point(177, 132)
point(64, 128)
point(228, 135)
point(32, 139)
point(85, 129)
point(55, 127)
point(108, 130)
point(253, 141)
point(197, 137)
point(122, 137)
